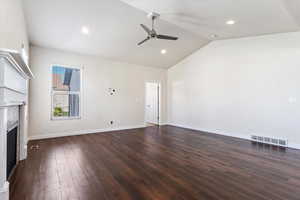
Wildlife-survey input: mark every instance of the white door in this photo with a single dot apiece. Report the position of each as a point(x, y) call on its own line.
point(152, 103)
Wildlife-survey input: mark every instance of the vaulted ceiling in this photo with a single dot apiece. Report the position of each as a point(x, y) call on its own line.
point(114, 29)
point(208, 17)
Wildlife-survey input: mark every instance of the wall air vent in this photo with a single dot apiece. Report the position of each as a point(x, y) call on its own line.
point(283, 142)
point(269, 140)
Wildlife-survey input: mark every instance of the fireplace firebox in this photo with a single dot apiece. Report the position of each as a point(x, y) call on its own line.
point(11, 162)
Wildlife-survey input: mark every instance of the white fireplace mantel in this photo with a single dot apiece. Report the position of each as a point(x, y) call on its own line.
point(14, 76)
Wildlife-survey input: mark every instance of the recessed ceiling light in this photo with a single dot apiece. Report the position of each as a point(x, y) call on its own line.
point(230, 22)
point(163, 51)
point(85, 30)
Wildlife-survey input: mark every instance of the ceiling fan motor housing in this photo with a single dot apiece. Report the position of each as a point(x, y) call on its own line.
point(153, 15)
point(151, 33)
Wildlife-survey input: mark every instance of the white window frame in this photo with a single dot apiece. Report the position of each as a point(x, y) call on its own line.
point(52, 92)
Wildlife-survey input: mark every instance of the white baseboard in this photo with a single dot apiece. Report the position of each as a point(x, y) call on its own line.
point(4, 191)
point(23, 152)
point(163, 123)
point(81, 132)
point(290, 145)
point(293, 145)
point(218, 132)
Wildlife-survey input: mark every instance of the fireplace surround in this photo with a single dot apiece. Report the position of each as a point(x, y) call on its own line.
point(14, 76)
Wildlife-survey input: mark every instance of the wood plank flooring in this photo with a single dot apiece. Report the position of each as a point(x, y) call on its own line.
point(161, 163)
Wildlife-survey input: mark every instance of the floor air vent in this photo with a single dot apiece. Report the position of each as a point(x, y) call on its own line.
point(269, 140)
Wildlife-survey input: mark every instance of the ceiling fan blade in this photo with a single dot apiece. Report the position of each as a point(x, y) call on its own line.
point(144, 41)
point(146, 29)
point(166, 37)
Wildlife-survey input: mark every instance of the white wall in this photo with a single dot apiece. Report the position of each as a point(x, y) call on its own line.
point(13, 35)
point(12, 25)
point(126, 108)
point(240, 87)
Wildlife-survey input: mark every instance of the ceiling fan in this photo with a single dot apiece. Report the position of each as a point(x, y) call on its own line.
point(152, 34)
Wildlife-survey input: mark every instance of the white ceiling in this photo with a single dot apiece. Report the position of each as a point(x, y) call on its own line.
point(207, 17)
point(114, 25)
point(114, 30)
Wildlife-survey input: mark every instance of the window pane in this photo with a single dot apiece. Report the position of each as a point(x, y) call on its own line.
point(65, 79)
point(74, 105)
point(66, 105)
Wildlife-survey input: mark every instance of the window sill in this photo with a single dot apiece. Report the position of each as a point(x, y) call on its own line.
point(65, 118)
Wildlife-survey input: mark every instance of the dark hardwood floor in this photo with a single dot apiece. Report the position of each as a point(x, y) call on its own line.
point(165, 163)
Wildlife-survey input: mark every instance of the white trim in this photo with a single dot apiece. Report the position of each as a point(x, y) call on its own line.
point(290, 145)
point(11, 104)
point(16, 124)
point(159, 121)
point(23, 153)
point(11, 89)
point(17, 61)
point(5, 187)
point(81, 132)
point(4, 191)
point(163, 124)
point(293, 145)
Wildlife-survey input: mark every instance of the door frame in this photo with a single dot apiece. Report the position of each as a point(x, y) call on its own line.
point(159, 121)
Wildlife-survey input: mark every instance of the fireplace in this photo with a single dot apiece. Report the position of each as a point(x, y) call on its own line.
point(14, 76)
point(11, 153)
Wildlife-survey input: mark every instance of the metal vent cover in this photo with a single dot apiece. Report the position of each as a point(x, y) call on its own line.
point(269, 140)
point(283, 142)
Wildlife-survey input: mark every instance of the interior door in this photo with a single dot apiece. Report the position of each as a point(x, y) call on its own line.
point(152, 103)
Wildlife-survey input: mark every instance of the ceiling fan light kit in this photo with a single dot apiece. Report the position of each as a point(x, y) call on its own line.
point(152, 34)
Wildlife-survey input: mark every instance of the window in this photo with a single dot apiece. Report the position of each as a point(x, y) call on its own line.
point(65, 93)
